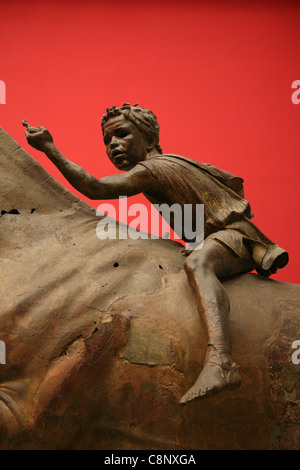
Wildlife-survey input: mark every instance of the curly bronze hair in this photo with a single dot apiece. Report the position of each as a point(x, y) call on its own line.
point(144, 120)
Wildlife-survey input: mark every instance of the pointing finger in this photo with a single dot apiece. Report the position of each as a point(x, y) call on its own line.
point(25, 123)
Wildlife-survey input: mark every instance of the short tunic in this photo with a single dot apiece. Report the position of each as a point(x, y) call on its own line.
point(226, 213)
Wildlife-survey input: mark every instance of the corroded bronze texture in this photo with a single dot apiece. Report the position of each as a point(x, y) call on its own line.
point(103, 338)
point(233, 244)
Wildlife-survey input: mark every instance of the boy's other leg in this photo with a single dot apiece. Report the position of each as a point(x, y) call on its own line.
point(203, 269)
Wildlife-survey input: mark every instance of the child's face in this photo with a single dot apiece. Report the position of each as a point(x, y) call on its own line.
point(125, 146)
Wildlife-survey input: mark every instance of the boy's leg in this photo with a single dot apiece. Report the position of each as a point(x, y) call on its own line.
point(203, 269)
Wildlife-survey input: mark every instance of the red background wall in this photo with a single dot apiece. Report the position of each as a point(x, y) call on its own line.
point(218, 76)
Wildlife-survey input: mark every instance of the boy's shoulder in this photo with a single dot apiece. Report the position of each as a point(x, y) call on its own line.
point(228, 179)
point(173, 158)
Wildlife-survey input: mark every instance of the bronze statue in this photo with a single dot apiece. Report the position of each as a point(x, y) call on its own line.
point(233, 244)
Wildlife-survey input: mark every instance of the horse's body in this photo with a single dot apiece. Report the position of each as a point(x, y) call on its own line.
point(103, 337)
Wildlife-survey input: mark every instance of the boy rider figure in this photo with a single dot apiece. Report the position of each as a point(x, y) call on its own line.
point(232, 245)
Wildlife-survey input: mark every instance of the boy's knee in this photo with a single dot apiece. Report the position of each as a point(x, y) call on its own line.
point(197, 263)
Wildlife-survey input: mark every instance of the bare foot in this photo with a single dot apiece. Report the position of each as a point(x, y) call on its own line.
point(214, 377)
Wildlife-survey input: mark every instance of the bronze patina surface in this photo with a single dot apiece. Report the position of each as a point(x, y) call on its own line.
point(233, 244)
point(103, 336)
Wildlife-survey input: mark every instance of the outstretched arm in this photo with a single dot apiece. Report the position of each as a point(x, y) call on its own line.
point(135, 181)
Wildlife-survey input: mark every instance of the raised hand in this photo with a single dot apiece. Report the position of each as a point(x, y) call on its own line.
point(37, 137)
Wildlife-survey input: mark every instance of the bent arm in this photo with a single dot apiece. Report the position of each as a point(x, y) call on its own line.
point(134, 182)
